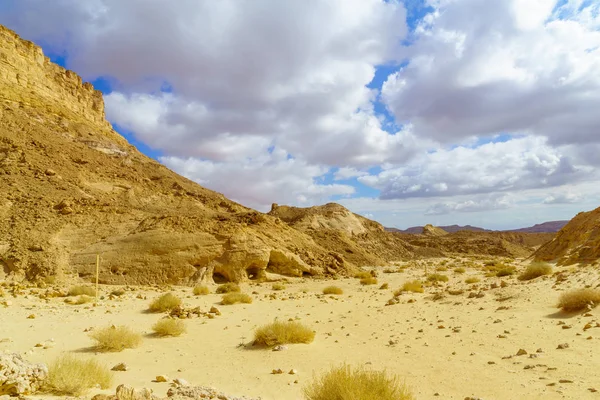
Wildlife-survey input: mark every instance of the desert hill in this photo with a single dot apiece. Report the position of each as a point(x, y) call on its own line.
point(577, 242)
point(71, 188)
point(544, 227)
point(447, 228)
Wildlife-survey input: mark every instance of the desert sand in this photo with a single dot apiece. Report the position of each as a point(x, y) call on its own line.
point(448, 346)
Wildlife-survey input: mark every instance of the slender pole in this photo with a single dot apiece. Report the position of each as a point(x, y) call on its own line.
point(97, 272)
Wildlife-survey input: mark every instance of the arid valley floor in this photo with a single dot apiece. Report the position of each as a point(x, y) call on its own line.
point(461, 343)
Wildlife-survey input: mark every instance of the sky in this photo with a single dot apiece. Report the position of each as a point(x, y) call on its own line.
point(480, 112)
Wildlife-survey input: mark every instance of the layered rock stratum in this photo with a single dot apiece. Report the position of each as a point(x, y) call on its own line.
point(72, 188)
point(577, 242)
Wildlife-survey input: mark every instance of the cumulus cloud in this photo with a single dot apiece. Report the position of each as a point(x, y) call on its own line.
point(517, 66)
point(517, 164)
point(487, 203)
point(258, 182)
point(562, 198)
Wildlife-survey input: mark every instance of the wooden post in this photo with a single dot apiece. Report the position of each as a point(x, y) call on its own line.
point(97, 272)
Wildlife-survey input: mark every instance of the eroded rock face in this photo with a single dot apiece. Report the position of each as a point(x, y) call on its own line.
point(18, 377)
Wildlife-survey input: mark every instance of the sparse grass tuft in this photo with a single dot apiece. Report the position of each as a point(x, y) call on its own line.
point(229, 287)
point(82, 290)
point(115, 338)
point(506, 271)
point(362, 275)
point(535, 270)
point(472, 279)
point(166, 302)
point(347, 383)
point(72, 376)
point(384, 286)
point(368, 281)
point(579, 299)
point(459, 270)
point(442, 268)
point(235, 297)
point(437, 278)
point(201, 290)
point(412, 286)
point(278, 286)
point(79, 300)
point(278, 332)
point(333, 290)
point(169, 327)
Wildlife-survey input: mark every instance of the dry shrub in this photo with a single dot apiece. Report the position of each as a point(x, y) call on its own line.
point(201, 290)
point(82, 290)
point(384, 286)
point(437, 278)
point(347, 383)
point(234, 298)
point(169, 327)
point(412, 286)
point(117, 292)
point(459, 270)
point(472, 279)
point(83, 299)
point(228, 287)
point(278, 332)
point(368, 281)
point(506, 271)
point(115, 338)
point(166, 302)
point(72, 376)
point(362, 275)
point(535, 270)
point(579, 299)
point(333, 290)
point(442, 268)
point(278, 286)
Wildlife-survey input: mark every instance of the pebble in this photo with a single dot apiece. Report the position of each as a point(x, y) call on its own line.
point(161, 378)
point(521, 352)
point(293, 372)
point(277, 371)
point(120, 367)
point(563, 346)
point(181, 382)
point(280, 348)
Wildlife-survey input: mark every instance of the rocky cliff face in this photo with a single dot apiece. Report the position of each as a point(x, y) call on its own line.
point(577, 242)
point(72, 188)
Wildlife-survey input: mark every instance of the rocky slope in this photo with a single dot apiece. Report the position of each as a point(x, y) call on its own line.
point(577, 242)
point(72, 188)
point(544, 227)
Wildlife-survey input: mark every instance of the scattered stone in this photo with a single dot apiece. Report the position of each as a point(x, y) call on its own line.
point(31, 316)
point(18, 377)
point(120, 367)
point(563, 346)
point(277, 371)
point(293, 372)
point(161, 378)
point(181, 382)
point(50, 172)
point(565, 381)
point(280, 347)
point(521, 352)
point(196, 393)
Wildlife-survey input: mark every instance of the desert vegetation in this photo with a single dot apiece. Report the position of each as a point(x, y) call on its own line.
point(72, 376)
point(81, 290)
point(236, 297)
point(278, 286)
point(579, 299)
point(169, 327)
point(228, 287)
point(278, 332)
point(472, 279)
point(368, 281)
point(333, 290)
point(166, 302)
point(201, 290)
point(535, 270)
point(437, 278)
point(363, 275)
point(115, 338)
point(79, 300)
point(348, 383)
point(415, 286)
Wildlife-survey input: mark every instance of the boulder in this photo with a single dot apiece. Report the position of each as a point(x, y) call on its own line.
point(18, 377)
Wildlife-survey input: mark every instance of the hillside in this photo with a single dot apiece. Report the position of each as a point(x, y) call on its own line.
point(72, 188)
point(545, 227)
point(447, 228)
point(577, 242)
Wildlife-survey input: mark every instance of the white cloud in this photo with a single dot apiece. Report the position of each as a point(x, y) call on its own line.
point(348, 173)
point(481, 67)
point(258, 182)
point(486, 203)
point(562, 198)
point(517, 164)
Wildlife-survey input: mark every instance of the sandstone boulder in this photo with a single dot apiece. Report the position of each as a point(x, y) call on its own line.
point(18, 377)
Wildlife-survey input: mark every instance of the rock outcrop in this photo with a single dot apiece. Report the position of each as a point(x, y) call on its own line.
point(72, 188)
point(18, 377)
point(430, 230)
point(577, 242)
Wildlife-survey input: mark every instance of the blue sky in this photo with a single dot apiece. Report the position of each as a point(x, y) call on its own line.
point(465, 112)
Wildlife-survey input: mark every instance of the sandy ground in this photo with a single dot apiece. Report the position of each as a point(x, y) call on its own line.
point(448, 348)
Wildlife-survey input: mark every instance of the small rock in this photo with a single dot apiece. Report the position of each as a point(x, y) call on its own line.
point(521, 352)
point(277, 371)
point(565, 381)
point(181, 382)
point(214, 310)
point(161, 378)
point(31, 316)
point(280, 348)
point(50, 172)
point(293, 372)
point(563, 346)
point(120, 367)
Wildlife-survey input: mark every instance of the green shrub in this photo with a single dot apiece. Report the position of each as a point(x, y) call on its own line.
point(412, 286)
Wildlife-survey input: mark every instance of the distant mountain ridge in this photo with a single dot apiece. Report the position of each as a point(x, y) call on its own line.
point(544, 227)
